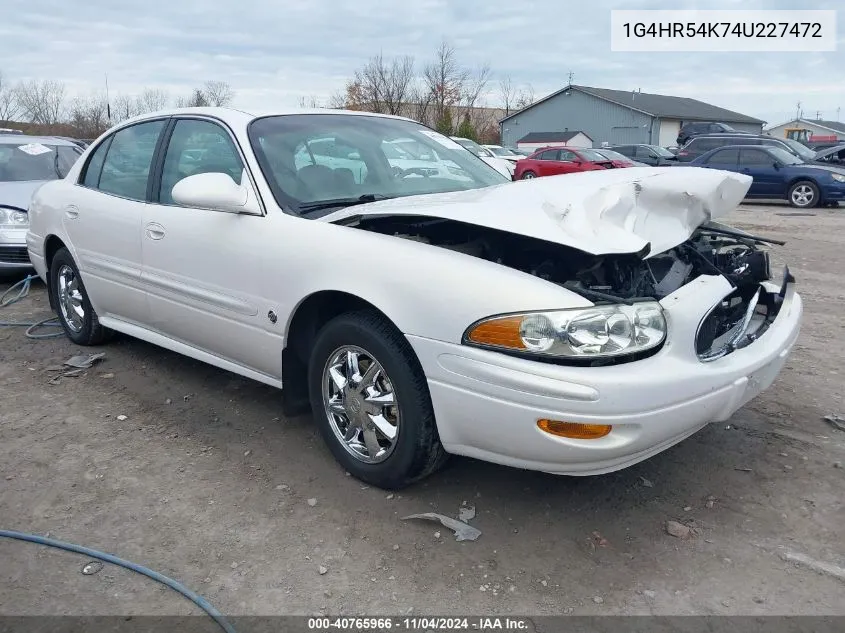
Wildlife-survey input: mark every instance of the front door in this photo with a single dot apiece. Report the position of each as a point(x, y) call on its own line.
point(203, 269)
point(760, 165)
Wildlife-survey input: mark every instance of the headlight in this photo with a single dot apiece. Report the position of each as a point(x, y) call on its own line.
point(838, 177)
point(596, 332)
point(12, 218)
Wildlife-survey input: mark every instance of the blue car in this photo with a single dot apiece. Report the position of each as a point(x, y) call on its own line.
point(779, 174)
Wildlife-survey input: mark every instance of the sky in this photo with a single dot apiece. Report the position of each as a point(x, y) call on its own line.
point(274, 52)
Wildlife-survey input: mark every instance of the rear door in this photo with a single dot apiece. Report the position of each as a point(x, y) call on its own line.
point(103, 220)
point(769, 181)
point(726, 159)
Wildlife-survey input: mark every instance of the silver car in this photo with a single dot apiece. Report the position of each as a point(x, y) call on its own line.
point(26, 163)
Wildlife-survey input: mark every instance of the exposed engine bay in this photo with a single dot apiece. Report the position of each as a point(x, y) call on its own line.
point(712, 250)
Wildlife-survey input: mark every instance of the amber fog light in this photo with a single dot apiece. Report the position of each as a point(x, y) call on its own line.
point(574, 430)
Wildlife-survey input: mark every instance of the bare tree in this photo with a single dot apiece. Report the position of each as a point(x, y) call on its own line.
point(41, 102)
point(8, 101)
point(218, 93)
point(88, 116)
point(445, 80)
point(420, 104)
point(152, 99)
point(197, 99)
point(507, 94)
point(525, 97)
point(381, 85)
point(310, 101)
point(124, 107)
point(338, 101)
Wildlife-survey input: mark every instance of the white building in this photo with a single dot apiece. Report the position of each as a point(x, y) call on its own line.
point(810, 130)
point(536, 140)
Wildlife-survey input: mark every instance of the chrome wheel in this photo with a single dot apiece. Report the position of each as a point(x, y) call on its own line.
point(70, 299)
point(803, 195)
point(360, 404)
point(528, 175)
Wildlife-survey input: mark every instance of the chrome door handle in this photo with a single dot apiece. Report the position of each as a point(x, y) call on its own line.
point(154, 231)
point(71, 212)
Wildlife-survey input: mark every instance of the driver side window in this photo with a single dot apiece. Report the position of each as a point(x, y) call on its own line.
point(198, 147)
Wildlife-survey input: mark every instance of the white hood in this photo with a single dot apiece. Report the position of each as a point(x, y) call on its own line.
point(632, 210)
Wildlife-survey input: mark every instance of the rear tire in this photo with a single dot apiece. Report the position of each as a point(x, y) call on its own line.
point(804, 195)
point(528, 175)
point(76, 314)
point(343, 406)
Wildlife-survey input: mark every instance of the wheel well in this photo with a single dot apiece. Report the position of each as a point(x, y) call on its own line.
point(798, 179)
point(308, 318)
point(51, 246)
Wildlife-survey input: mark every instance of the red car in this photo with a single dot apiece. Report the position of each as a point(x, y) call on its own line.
point(551, 161)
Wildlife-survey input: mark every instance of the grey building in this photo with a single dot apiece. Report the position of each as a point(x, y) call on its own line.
point(617, 116)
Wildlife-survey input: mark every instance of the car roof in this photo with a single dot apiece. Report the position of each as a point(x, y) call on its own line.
point(234, 116)
point(24, 139)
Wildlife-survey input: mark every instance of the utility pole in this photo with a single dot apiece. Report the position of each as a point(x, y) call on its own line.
point(571, 77)
point(797, 110)
point(818, 115)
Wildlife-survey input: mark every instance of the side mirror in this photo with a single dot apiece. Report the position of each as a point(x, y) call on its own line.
point(217, 192)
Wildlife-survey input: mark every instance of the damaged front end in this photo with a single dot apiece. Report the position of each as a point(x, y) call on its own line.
point(712, 249)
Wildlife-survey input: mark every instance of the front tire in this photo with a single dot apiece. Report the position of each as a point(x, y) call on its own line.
point(804, 194)
point(73, 306)
point(370, 400)
point(528, 175)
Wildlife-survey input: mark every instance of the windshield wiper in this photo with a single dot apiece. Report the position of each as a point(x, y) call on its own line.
point(343, 202)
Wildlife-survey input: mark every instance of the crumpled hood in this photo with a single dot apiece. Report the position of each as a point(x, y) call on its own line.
point(633, 210)
point(18, 194)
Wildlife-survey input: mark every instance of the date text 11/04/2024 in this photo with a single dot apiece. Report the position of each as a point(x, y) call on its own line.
point(376, 625)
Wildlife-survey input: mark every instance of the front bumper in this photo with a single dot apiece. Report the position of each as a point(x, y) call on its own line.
point(487, 404)
point(13, 252)
point(833, 192)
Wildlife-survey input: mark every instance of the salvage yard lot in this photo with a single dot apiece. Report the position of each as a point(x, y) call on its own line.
point(204, 482)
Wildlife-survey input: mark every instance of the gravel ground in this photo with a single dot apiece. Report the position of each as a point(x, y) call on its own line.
point(203, 481)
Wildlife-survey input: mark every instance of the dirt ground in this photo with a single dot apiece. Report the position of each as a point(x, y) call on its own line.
point(204, 482)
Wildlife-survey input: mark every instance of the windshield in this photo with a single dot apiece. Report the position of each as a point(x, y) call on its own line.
point(799, 148)
point(662, 151)
point(613, 155)
point(501, 151)
point(315, 161)
point(35, 161)
point(473, 147)
point(592, 155)
point(788, 158)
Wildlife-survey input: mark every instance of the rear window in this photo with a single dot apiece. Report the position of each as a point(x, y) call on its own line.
point(36, 161)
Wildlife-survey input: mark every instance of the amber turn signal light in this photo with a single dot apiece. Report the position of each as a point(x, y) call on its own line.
point(503, 332)
point(574, 430)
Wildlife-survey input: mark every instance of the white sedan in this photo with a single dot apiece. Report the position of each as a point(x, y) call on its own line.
point(573, 324)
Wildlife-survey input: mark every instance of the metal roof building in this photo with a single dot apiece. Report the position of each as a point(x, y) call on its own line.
point(617, 116)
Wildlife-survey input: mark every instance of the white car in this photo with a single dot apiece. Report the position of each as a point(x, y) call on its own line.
point(504, 153)
point(504, 167)
point(574, 325)
point(26, 163)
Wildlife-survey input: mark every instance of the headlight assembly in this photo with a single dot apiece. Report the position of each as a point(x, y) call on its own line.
point(837, 177)
point(13, 219)
point(596, 332)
